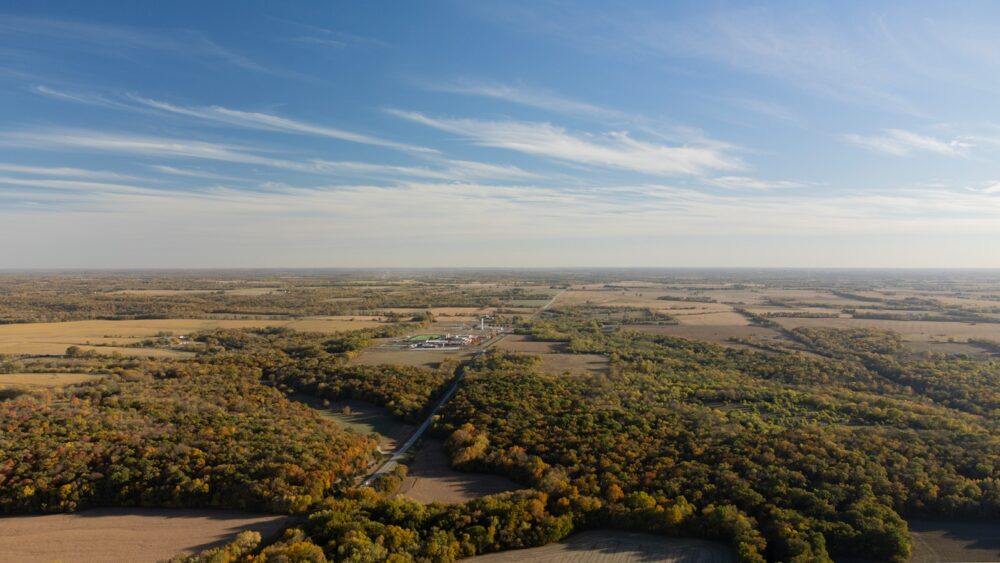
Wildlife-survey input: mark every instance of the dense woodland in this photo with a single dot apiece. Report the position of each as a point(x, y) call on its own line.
point(182, 434)
point(807, 457)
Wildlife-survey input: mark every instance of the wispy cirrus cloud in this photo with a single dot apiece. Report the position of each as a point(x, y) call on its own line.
point(226, 116)
point(900, 142)
point(269, 122)
point(747, 183)
point(62, 172)
point(617, 150)
point(523, 95)
point(179, 148)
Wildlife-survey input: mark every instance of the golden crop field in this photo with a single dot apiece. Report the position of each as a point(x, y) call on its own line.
point(110, 336)
point(44, 379)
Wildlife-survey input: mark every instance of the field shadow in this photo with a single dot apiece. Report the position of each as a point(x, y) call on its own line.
point(619, 546)
point(123, 533)
point(431, 478)
point(950, 540)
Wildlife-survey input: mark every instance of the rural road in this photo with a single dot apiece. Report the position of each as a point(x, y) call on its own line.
point(390, 464)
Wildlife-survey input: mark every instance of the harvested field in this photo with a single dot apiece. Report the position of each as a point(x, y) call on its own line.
point(646, 299)
point(554, 359)
point(722, 318)
point(54, 338)
point(45, 379)
point(948, 540)
point(362, 417)
point(909, 330)
point(617, 546)
point(431, 479)
point(124, 534)
point(432, 359)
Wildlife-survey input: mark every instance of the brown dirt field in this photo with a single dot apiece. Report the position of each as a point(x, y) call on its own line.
point(54, 338)
point(431, 479)
point(909, 330)
point(942, 540)
point(44, 379)
point(629, 298)
point(722, 318)
point(617, 546)
point(124, 534)
point(421, 358)
point(555, 361)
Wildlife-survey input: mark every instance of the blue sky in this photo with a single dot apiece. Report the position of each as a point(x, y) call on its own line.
point(338, 134)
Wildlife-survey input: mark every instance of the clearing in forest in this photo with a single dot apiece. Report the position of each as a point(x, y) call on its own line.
point(555, 359)
point(430, 479)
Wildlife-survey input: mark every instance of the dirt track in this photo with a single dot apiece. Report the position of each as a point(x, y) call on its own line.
point(614, 546)
point(126, 535)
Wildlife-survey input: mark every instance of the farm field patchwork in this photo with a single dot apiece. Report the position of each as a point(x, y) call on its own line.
point(909, 330)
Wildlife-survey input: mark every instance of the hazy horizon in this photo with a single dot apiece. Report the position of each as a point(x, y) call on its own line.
point(518, 135)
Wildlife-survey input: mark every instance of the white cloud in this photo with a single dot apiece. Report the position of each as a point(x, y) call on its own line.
point(745, 183)
point(900, 142)
point(613, 150)
point(268, 122)
point(163, 148)
point(527, 97)
point(61, 172)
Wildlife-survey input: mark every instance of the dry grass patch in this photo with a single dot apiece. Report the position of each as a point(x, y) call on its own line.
point(54, 338)
point(555, 359)
point(618, 546)
point(715, 318)
point(362, 417)
point(431, 479)
point(432, 359)
point(45, 379)
point(135, 535)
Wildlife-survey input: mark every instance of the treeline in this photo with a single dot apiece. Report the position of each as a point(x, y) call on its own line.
point(315, 364)
point(55, 299)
